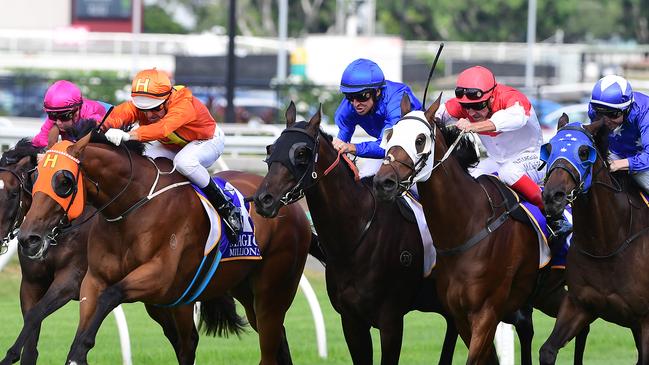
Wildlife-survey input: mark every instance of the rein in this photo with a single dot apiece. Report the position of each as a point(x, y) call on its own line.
point(579, 191)
point(408, 183)
point(297, 191)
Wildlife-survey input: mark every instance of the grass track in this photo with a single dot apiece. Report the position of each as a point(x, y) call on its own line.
point(607, 343)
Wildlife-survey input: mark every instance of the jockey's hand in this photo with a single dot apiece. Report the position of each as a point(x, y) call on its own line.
point(617, 165)
point(116, 136)
point(464, 125)
point(344, 147)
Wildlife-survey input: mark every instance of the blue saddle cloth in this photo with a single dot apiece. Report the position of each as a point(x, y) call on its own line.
point(558, 247)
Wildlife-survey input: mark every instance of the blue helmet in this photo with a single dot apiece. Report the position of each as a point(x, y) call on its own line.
point(360, 75)
point(612, 91)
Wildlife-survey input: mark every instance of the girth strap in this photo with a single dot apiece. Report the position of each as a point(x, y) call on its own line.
point(479, 236)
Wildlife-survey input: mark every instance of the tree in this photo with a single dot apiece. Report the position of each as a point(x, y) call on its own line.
point(156, 20)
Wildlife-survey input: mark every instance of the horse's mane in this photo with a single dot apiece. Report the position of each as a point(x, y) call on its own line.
point(85, 126)
point(465, 151)
point(601, 142)
point(23, 148)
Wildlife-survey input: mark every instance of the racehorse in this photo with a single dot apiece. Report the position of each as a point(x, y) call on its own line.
point(487, 262)
point(149, 241)
point(610, 245)
point(49, 283)
point(374, 255)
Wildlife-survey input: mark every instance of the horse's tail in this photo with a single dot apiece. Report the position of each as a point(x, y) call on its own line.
point(316, 251)
point(220, 318)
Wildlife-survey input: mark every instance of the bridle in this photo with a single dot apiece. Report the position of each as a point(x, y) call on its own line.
point(21, 211)
point(420, 164)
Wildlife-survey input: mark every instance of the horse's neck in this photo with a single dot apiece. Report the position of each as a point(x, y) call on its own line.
point(339, 205)
point(602, 216)
point(450, 198)
point(112, 175)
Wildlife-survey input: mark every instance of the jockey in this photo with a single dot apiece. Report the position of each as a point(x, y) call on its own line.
point(65, 106)
point(508, 128)
point(181, 129)
point(625, 114)
point(371, 102)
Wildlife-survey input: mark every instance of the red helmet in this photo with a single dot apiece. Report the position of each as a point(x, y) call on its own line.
point(475, 84)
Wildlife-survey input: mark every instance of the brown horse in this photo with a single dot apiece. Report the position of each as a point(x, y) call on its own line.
point(374, 255)
point(609, 253)
point(50, 282)
point(147, 247)
point(487, 262)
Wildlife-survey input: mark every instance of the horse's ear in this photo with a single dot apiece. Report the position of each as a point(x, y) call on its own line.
point(24, 163)
point(430, 112)
point(76, 149)
point(594, 127)
point(290, 114)
point(406, 107)
point(314, 122)
point(563, 121)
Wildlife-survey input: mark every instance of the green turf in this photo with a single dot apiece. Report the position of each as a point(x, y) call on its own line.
point(607, 343)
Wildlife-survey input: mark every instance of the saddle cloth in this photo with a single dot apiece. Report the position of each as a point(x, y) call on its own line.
point(430, 255)
point(246, 248)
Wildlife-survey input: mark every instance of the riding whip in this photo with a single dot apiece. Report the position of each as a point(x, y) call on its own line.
point(430, 75)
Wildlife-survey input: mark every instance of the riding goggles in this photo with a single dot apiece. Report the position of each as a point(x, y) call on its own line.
point(62, 116)
point(361, 96)
point(154, 109)
point(608, 112)
point(475, 106)
point(471, 93)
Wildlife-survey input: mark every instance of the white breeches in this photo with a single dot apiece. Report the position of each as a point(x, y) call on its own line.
point(510, 171)
point(192, 160)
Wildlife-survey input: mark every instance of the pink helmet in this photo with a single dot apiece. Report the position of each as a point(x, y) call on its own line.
point(475, 84)
point(61, 96)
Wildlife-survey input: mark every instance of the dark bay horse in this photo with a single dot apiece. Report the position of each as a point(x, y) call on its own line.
point(608, 257)
point(487, 262)
point(47, 283)
point(153, 251)
point(374, 267)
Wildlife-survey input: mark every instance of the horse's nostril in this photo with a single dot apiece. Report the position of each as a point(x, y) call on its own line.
point(266, 200)
point(389, 184)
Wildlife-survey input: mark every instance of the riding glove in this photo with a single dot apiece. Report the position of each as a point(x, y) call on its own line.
point(116, 136)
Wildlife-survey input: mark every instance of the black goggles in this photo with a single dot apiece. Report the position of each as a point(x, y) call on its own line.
point(471, 93)
point(62, 116)
point(361, 96)
point(475, 106)
point(608, 112)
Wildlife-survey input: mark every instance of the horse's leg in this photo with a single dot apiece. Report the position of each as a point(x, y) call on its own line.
point(178, 326)
point(483, 329)
point(358, 338)
point(36, 307)
point(391, 340)
point(95, 304)
point(450, 339)
point(522, 321)
point(637, 341)
point(464, 329)
point(580, 345)
point(548, 299)
point(570, 321)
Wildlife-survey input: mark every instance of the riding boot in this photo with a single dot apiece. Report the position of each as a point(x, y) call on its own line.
point(225, 207)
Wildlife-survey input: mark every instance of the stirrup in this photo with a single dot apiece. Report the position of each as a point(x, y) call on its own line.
point(559, 227)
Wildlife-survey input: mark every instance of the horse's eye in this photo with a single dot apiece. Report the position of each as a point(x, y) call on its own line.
point(301, 155)
point(584, 153)
point(420, 141)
